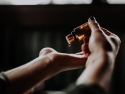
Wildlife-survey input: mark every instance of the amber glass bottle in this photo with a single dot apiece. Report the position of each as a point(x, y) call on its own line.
point(78, 33)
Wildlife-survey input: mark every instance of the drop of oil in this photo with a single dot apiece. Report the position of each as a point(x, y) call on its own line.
point(69, 45)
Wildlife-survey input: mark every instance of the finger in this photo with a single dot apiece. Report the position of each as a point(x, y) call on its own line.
point(87, 54)
point(76, 61)
point(79, 53)
point(85, 48)
point(107, 32)
point(86, 39)
point(94, 26)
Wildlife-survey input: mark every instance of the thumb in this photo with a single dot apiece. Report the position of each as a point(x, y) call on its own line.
point(94, 25)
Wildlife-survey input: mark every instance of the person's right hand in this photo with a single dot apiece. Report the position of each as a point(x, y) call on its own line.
point(100, 40)
point(101, 48)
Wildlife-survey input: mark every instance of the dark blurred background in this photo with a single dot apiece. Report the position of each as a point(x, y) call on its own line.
point(26, 29)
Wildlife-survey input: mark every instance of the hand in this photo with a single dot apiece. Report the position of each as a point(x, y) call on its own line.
point(57, 62)
point(101, 47)
point(100, 40)
point(62, 61)
point(49, 63)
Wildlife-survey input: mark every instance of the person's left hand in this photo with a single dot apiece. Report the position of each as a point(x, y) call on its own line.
point(63, 61)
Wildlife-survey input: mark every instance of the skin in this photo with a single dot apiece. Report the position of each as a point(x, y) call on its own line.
point(98, 56)
point(101, 47)
point(48, 64)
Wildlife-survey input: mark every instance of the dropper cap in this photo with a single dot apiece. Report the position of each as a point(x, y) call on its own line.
point(70, 38)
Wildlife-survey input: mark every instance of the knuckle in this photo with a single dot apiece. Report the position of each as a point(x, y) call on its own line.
point(46, 50)
point(97, 24)
point(119, 40)
point(98, 30)
point(116, 40)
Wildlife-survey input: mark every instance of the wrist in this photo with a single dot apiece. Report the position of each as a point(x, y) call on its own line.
point(99, 69)
point(101, 56)
point(51, 61)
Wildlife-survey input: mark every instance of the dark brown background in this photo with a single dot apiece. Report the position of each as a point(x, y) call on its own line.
point(25, 30)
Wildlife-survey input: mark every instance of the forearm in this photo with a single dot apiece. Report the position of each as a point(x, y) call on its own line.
point(98, 70)
point(28, 75)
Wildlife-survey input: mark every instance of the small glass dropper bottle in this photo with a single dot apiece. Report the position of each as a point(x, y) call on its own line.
point(78, 33)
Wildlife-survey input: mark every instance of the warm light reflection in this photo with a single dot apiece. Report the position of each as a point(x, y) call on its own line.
point(61, 1)
point(29, 2)
point(81, 1)
point(116, 1)
point(45, 2)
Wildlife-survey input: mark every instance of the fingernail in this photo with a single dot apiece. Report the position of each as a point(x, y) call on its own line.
point(92, 18)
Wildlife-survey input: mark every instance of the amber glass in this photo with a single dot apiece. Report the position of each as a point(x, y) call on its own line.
point(78, 33)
